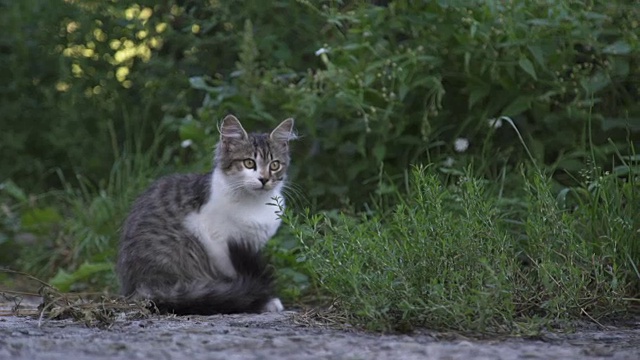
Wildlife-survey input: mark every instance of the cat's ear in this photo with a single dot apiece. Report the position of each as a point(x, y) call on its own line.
point(284, 132)
point(230, 128)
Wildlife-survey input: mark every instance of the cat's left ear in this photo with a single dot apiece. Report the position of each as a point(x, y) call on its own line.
point(284, 132)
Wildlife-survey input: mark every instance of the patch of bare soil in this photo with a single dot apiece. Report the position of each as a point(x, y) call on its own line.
point(121, 335)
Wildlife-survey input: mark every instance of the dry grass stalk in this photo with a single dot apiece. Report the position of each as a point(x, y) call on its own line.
point(91, 309)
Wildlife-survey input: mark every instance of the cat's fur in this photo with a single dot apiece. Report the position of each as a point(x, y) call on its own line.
point(191, 243)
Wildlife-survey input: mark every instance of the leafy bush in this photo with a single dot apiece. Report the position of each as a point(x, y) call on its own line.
point(71, 235)
point(97, 95)
point(86, 78)
point(100, 97)
point(444, 257)
point(399, 84)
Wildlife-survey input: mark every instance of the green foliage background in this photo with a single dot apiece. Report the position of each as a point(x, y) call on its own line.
point(100, 97)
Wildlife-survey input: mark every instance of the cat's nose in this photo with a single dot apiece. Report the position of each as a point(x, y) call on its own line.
point(263, 180)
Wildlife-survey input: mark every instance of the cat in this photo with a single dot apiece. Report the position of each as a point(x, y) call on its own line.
point(192, 242)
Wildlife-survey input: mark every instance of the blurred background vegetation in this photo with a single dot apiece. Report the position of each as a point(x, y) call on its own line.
point(100, 97)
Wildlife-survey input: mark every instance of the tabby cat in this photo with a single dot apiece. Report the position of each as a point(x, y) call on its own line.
point(192, 242)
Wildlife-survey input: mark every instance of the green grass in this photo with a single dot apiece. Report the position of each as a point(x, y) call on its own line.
point(458, 257)
point(450, 252)
point(455, 251)
point(74, 231)
point(461, 255)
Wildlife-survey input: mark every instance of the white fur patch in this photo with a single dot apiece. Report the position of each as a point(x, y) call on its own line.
point(247, 215)
point(274, 305)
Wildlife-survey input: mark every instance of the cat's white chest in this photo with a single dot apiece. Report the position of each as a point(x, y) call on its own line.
point(226, 218)
point(250, 220)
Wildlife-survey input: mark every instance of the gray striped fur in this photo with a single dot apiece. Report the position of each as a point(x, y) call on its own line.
point(171, 250)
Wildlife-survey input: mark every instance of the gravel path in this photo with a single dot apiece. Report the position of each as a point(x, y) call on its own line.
point(279, 336)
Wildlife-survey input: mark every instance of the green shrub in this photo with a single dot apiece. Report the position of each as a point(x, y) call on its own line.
point(444, 257)
point(70, 236)
point(86, 78)
point(100, 97)
point(399, 84)
point(89, 87)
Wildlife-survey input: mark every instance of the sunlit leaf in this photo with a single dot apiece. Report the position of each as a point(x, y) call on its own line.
point(191, 131)
point(36, 218)
point(13, 190)
point(518, 106)
point(619, 47)
point(632, 124)
point(527, 66)
point(536, 51)
point(199, 83)
point(596, 82)
point(379, 151)
point(64, 280)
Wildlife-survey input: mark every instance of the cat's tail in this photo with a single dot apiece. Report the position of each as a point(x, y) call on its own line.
point(250, 291)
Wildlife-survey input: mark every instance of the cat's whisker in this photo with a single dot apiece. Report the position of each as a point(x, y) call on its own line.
point(237, 188)
point(295, 194)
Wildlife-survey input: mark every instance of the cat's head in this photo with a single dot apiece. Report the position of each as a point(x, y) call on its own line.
point(253, 162)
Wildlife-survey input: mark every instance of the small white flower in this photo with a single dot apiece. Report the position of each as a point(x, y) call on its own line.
point(495, 123)
point(321, 51)
point(461, 144)
point(186, 143)
point(448, 162)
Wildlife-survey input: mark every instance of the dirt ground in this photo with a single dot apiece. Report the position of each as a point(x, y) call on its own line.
point(283, 336)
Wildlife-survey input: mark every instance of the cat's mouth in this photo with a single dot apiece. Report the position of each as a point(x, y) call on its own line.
point(261, 188)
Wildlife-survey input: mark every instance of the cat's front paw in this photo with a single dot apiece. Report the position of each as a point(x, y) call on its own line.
point(274, 305)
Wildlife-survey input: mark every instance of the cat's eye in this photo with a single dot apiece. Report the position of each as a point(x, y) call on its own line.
point(249, 163)
point(274, 166)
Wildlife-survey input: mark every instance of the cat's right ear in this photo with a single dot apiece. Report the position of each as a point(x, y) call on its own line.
point(231, 129)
